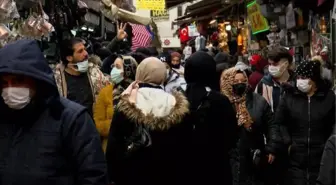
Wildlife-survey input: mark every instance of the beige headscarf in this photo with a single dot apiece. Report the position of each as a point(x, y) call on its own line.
point(152, 71)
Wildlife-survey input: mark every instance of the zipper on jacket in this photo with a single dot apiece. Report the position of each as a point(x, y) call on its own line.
point(308, 141)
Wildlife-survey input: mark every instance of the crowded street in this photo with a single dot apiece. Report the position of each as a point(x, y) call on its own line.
point(167, 92)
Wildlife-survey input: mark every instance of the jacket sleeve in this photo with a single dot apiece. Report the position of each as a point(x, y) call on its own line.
point(271, 130)
point(101, 119)
point(327, 167)
point(83, 142)
point(113, 45)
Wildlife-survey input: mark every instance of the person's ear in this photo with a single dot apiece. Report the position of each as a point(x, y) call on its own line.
point(69, 58)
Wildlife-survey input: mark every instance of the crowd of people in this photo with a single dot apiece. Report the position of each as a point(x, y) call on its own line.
point(149, 118)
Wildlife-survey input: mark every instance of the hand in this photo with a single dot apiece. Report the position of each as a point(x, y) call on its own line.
point(121, 33)
point(271, 158)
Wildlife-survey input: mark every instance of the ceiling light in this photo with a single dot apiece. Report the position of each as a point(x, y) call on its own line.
point(228, 27)
point(84, 28)
point(213, 21)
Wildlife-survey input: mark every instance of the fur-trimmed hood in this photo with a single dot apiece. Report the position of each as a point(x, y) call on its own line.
point(155, 108)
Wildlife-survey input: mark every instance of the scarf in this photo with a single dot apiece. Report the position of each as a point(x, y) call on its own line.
point(242, 114)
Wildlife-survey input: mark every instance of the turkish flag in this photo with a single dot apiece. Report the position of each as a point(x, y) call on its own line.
point(184, 35)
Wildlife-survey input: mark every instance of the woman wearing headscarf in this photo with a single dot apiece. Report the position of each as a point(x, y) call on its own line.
point(174, 81)
point(213, 123)
point(176, 63)
point(255, 119)
point(122, 75)
point(308, 114)
point(145, 144)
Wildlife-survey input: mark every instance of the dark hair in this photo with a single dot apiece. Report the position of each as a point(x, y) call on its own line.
point(277, 54)
point(67, 48)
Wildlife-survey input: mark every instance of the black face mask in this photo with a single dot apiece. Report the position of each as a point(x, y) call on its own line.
point(239, 89)
point(177, 66)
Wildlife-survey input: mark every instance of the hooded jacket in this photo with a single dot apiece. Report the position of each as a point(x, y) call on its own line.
point(60, 145)
point(160, 163)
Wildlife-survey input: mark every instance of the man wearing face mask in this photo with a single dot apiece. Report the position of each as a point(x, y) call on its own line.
point(280, 77)
point(308, 114)
point(279, 74)
point(174, 81)
point(45, 138)
point(76, 78)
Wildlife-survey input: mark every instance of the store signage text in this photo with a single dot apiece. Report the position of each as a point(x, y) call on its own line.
point(257, 20)
point(151, 4)
point(159, 14)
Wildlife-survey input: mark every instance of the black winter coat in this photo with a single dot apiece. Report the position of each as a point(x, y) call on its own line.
point(309, 122)
point(327, 168)
point(214, 134)
point(163, 161)
point(244, 171)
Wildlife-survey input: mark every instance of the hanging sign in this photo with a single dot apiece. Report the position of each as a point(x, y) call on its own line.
point(257, 20)
point(151, 5)
point(159, 14)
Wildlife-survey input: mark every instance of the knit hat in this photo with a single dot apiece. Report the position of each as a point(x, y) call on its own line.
point(309, 69)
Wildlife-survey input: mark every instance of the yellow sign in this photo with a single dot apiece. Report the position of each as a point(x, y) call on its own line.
point(258, 21)
point(159, 14)
point(151, 4)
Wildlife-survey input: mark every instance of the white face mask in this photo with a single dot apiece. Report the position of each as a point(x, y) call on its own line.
point(274, 71)
point(303, 85)
point(277, 71)
point(82, 66)
point(16, 97)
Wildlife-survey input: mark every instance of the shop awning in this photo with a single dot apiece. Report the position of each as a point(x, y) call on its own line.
point(201, 8)
point(200, 11)
point(172, 3)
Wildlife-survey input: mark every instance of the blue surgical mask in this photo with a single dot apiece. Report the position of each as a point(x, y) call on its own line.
point(82, 66)
point(116, 75)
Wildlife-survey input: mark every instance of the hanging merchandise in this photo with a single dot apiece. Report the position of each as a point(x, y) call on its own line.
point(290, 16)
point(318, 43)
point(223, 38)
point(192, 31)
point(273, 37)
point(34, 27)
point(323, 25)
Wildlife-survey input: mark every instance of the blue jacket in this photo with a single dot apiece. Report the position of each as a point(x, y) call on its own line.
point(52, 140)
